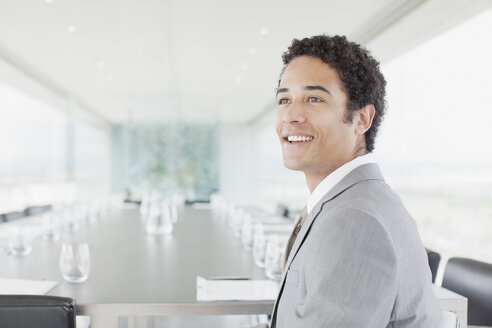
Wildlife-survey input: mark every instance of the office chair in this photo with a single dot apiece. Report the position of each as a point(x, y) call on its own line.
point(10, 216)
point(33, 210)
point(434, 258)
point(282, 210)
point(36, 311)
point(472, 279)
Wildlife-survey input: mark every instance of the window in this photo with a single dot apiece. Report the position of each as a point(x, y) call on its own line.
point(434, 143)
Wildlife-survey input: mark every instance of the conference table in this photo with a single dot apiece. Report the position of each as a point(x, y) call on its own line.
point(134, 274)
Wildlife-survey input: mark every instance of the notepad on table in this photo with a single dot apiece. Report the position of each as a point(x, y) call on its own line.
point(236, 290)
point(25, 286)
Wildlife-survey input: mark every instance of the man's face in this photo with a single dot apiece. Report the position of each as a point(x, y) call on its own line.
point(310, 122)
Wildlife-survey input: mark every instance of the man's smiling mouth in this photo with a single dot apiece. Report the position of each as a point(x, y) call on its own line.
point(296, 138)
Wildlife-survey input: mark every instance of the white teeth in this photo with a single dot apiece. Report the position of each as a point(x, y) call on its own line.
point(299, 138)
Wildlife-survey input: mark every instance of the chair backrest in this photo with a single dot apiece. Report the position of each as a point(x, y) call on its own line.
point(282, 210)
point(33, 210)
point(36, 311)
point(10, 216)
point(434, 258)
point(472, 279)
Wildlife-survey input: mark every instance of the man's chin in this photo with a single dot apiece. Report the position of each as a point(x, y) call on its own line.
point(293, 165)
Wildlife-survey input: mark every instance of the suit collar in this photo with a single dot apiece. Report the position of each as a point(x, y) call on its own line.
point(335, 177)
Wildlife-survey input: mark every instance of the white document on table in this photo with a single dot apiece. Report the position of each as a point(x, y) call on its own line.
point(236, 290)
point(25, 287)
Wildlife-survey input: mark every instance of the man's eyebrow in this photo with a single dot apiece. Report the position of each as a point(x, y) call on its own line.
point(281, 90)
point(316, 87)
point(307, 87)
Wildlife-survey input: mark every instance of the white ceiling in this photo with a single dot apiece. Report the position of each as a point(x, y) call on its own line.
point(168, 59)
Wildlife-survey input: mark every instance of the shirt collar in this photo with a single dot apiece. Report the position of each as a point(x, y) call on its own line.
point(334, 177)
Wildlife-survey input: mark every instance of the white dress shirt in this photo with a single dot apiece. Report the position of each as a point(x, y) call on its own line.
point(334, 177)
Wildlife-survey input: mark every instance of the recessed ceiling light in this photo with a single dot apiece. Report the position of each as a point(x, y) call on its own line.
point(245, 67)
point(100, 65)
point(49, 1)
point(238, 78)
point(264, 31)
point(71, 29)
point(253, 51)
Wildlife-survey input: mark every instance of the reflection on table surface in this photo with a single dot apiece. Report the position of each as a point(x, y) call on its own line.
point(130, 266)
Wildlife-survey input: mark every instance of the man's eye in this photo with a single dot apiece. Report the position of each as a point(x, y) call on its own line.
point(283, 101)
point(314, 99)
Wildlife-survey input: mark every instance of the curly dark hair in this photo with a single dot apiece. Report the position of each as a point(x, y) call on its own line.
point(358, 71)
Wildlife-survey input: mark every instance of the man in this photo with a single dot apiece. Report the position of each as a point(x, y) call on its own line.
point(355, 258)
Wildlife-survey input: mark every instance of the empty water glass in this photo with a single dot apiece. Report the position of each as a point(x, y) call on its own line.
point(81, 212)
point(51, 227)
point(145, 204)
point(94, 212)
point(173, 207)
point(75, 262)
point(247, 234)
point(70, 221)
point(259, 245)
point(19, 241)
point(236, 221)
point(179, 200)
point(274, 255)
point(159, 221)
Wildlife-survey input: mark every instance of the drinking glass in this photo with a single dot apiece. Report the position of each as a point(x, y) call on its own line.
point(94, 212)
point(247, 234)
point(236, 221)
point(70, 221)
point(274, 256)
point(81, 212)
point(259, 245)
point(19, 241)
point(75, 262)
point(51, 227)
point(160, 220)
point(173, 208)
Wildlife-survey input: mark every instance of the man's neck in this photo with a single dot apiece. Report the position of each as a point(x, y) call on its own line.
point(314, 178)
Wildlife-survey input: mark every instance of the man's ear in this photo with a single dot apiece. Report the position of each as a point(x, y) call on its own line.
point(364, 118)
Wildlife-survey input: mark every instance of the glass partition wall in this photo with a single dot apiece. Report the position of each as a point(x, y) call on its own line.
point(174, 158)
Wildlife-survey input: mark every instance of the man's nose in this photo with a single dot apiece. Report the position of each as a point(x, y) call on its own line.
point(294, 113)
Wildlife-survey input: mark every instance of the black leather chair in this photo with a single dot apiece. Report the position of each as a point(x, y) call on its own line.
point(282, 210)
point(10, 216)
point(37, 311)
point(472, 279)
point(33, 210)
point(434, 258)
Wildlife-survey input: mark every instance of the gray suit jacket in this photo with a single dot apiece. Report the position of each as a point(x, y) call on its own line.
point(358, 261)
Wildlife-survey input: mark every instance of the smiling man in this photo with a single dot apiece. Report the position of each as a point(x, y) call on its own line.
point(355, 258)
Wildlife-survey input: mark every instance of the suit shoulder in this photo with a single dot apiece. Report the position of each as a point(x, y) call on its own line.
point(376, 198)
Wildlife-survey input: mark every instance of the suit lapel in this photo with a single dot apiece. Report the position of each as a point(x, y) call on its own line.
point(359, 174)
point(364, 172)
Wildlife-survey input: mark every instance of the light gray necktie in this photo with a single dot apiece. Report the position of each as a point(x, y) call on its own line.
point(297, 227)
